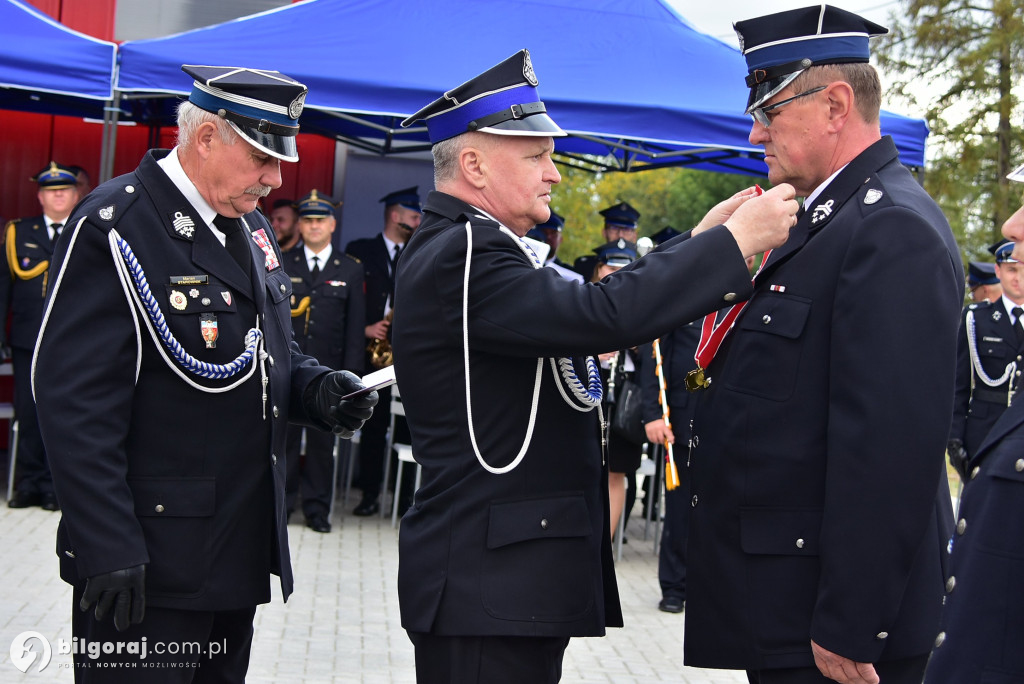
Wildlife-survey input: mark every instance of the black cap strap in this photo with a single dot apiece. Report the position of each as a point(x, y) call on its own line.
point(261, 125)
point(758, 76)
point(514, 112)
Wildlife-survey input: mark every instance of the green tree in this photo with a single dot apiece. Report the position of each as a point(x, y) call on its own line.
point(676, 197)
point(962, 60)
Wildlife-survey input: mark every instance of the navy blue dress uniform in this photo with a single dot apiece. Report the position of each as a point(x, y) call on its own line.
point(619, 216)
point(989, 361)
point(378, 260)
point(983, 616)
point(819, 505)
point(525, 553)
point(328, 310)
point(159, 467)
point(28, 247)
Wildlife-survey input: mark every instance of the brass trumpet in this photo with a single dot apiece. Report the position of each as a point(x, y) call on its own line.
point(380, 352)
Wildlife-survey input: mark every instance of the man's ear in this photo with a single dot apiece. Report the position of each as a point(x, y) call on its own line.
point(473, 163)
point(841, 101)
point(204, 138)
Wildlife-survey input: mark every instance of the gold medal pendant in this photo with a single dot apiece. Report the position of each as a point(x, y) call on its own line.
point(695, 380)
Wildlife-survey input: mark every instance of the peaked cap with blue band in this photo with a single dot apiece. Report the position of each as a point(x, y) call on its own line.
point(316, 205)
point(1003, 251)
point(621, 215)
point(56, 176)
point(407, 197)
point(616, 253)
point(981, 273)
point(262, 106)
point(778, 47)
point(555, 222)
point(502, 100)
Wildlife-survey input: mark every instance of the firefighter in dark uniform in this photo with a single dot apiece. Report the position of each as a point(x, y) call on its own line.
point(28, 246)
point(506, 550)
point(982, 282)
point(983, 615)
point(165, 375)
point(989, 360)
point(620, 221)
point(820, 508)
point(328, 305)
point(379, 255)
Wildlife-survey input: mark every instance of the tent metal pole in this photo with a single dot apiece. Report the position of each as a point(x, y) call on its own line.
point(111, 114)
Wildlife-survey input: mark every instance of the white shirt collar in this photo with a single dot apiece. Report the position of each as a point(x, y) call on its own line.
point(172, 167)
point(818, 190)
point(49, 225)
point(1010, 305)
point(322, 256)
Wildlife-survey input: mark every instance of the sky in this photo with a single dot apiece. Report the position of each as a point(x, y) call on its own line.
point(716, 17)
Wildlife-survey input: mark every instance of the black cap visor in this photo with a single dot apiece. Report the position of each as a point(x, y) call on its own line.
point(281, 146)
point(764, 91)
point(533, 125)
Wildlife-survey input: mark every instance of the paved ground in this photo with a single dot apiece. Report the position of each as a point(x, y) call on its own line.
point(342, 625)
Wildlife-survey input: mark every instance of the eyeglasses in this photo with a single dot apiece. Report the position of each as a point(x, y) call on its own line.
point(760, 114)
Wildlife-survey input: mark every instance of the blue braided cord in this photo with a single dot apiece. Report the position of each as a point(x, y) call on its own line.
point(187, 361)
point(594, 391)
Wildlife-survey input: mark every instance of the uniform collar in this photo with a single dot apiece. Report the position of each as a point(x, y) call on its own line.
point(171, 165)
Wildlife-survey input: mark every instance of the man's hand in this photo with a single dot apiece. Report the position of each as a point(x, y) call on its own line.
point(843, 670)
point(762, 223)
point(957, 457)
point(721, 212)
point(120, 591)
point(324, 404)
point(377, 331)
point(658, 432)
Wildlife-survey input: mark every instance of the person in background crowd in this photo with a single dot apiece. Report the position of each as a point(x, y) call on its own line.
point(166, 376)
point(83, 181)
point(550, 232)
point(982, 282)
point(506, 551)
point(820, 507)
point(990, 347)
point(379, 255)
point(328, 311)
point(623, 455)
point(284, 220)
point(620, 221)
point(29, 246)
point(981, 620)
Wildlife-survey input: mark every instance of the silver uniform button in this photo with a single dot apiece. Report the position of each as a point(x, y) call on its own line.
point(950, 584)
point(276, 414)
point(940, 639)
point(159, 508)
point(273, 459)
point(975, 471)
point(961, 526)
point(729, 296)
point(283, 288)
point(1019, 465)
point(766, 319)
point(882, 635)
point(799, 543)
point(129, 189)
point(69, 554)
point(693, 501)
point(543, 523)
point(271, 360)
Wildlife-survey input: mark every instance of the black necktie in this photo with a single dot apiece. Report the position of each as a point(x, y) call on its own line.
point(56, 231)
point(235, 241)
point(1017, 312)
point(394, 259)
point(315, 271)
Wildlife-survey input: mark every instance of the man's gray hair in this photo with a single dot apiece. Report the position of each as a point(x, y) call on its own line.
point(191, 117)
point(446, 159)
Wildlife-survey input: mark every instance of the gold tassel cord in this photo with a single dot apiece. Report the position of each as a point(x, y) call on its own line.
point(671, 472)
point(12, 259)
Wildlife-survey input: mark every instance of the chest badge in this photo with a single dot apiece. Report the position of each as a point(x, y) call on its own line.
point(996, 315)
point(208, 327)
point(822, 212)
point(872, 196)
point(107, 213)
point(261, 239)
point(226, 296)
point(178, 300)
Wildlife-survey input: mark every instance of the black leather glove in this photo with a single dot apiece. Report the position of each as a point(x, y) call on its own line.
point(123, 591)
point(323, 403)
point(957, 456)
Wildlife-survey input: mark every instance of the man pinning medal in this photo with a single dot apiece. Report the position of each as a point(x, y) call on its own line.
point(506, 551)
point(165, 377)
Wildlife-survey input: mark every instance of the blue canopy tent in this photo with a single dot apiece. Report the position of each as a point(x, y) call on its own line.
point(46, 67)
point(631, 80)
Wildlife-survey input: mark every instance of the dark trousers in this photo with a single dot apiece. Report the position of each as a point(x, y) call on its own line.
point(488, 660)
point(372, 442)
point(903, 671)
point(32, 468)
point(314, 476)
point(674, 532)
point(199, 647)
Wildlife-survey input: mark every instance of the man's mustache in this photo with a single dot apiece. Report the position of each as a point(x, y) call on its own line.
point(258, 190)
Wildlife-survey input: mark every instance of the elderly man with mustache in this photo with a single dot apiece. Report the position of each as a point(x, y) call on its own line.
point(165, 376)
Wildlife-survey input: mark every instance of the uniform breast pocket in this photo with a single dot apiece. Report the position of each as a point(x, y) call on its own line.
point(175, 515)
point(765, 358)
point(538, 565)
